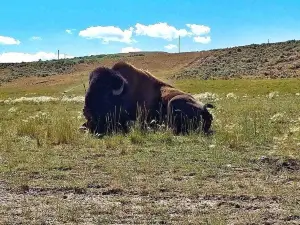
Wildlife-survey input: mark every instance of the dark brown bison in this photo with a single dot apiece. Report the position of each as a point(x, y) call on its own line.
point(127, 93)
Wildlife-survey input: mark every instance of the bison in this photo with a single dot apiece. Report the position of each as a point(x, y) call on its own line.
point(127, 93)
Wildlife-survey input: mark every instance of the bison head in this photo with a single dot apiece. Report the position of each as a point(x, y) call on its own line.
point(207, 118)
point(104, 96)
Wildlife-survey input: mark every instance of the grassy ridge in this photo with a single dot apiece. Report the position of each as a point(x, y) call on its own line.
point(11, 71)
point(276, 60)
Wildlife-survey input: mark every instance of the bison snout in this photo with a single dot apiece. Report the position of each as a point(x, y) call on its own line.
point(207, 122)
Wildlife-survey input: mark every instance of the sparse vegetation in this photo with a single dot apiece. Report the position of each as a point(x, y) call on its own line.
point(275, 60)
point(11, 71)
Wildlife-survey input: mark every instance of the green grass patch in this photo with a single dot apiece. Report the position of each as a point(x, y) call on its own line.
point(240, 86)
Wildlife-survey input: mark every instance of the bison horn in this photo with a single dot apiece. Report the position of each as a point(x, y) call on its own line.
point(119, 91)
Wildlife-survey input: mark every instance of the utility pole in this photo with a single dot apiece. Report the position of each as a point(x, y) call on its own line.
point(58, 54)
point(179, 44)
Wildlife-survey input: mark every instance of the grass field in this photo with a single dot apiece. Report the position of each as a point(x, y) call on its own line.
point(247, 173)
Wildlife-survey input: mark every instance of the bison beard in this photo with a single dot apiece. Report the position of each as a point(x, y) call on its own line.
point(125, 90)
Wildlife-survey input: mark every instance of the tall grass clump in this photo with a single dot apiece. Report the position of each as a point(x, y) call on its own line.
point(32, 127)
point(52, 128)
point(61, 130)
point(251, 130)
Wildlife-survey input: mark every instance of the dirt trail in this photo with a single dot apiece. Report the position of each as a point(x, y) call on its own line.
point(99, 205)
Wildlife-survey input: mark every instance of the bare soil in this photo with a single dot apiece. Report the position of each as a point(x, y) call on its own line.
point(98, 205)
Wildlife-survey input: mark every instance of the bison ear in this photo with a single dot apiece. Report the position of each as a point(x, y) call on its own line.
point(119, 85)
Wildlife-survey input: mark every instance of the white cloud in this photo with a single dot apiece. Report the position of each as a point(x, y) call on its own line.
point(198, 29)
point(70, 31)
point(160, 30)
point(203, 40)
point(108, 34)
point(35, 38)
point(14, 57)
point(8, 41)
point(130, 49)
point(171, 46)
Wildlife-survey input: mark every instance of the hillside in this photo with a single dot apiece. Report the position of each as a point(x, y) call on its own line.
point(274, 60)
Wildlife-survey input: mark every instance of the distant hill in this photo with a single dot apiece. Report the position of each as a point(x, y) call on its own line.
point(274, 60)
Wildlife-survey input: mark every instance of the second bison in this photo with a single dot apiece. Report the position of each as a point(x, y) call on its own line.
point(125, 93)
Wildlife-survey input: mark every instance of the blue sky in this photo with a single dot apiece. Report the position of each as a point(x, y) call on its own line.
point(36, 29)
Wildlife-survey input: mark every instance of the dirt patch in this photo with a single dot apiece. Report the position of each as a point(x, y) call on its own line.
point(279, 164)
point(113, 191)
point(63, 205)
